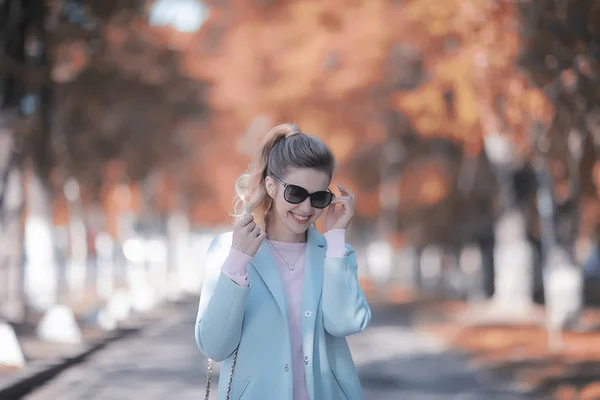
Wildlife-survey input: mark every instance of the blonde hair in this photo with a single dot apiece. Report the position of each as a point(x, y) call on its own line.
point(284, 146)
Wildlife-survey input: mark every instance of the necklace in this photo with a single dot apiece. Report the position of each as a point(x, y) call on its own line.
point(292, 266)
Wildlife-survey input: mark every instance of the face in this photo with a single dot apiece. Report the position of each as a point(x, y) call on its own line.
point(296, 218)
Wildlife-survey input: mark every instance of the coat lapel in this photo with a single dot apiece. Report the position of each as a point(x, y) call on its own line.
point(264, 263)
point(313, 278)
point(311, 294)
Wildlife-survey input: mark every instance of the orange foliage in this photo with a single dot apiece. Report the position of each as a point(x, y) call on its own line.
point(433, 189)
point(318, 63)
point(60, 211)
point(425, 185)
point(590, 392)
point(70, 59)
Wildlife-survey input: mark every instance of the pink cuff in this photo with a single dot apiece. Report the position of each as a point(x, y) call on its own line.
point(235, 267)
point(336, 243)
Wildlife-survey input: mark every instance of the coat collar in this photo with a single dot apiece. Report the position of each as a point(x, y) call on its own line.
point(264, 263)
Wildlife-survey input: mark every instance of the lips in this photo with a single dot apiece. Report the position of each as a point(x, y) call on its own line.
point(301, 219)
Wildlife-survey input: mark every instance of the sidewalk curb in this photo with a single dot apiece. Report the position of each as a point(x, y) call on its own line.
point(36, 375)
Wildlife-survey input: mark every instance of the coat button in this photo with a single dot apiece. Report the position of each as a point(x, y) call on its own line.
point(306, 360)
point(287, 367)
point(307, 313)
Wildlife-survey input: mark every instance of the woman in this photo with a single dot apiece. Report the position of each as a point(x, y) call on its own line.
point(278, 291)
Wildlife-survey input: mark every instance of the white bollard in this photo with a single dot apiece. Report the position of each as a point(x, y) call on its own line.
point(11, 354)
point(105, 320)
point(59, 325)
point(563, 283)
point(119, 307)
point(513, 259)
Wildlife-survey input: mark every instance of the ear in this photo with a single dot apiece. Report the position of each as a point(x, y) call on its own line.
point(270, 186)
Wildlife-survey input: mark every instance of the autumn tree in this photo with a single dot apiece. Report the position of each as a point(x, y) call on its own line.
point(113, 91)
point(24, 108)
point(417, 98)
point(559, 55)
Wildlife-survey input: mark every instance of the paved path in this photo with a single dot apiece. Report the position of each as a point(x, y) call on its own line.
point(163, 363)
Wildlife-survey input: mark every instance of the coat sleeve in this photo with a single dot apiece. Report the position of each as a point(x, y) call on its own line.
point(345, 309)
point(221, 310)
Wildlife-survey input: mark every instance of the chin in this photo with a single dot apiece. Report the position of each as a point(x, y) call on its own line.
point(299, 229)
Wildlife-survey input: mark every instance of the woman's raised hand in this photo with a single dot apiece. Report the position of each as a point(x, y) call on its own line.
point(339, 217)
point(247, 235)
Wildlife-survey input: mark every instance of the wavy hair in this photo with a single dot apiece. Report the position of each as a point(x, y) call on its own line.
point(284, 146)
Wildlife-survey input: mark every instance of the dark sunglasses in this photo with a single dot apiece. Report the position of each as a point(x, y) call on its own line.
point(294, 194)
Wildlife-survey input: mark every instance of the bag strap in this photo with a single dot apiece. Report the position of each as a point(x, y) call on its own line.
point(211, 362)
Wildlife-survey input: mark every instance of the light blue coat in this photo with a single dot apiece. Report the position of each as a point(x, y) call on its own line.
point(255, 319)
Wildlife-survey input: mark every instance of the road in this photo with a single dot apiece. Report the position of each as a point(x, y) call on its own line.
point(394, 361)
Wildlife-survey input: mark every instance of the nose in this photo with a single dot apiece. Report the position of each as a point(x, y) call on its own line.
point(305, 207)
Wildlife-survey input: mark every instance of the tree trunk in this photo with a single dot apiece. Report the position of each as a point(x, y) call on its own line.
point(471, 266)
point(78, 259)
point(513, 253)
point(416, 272)
point(563, 278)
point(11, 229)
point(178, 231)
point(431, 267)
point(487, 265)
point(105, 266)
point(42, 281)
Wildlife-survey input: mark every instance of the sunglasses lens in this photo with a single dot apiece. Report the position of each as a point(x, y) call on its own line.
point(321, 199)
point(295, 194)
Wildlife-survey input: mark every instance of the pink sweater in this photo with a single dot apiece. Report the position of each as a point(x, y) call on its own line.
point(235, 268)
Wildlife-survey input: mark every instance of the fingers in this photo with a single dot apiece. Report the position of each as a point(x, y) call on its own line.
point(261, 237)
point(255, 232)
point(251, 225)
point(257, 242)
point(245, 220)
point(346, 202)
point(247, 235)
point(345, 191)
point(247, 224)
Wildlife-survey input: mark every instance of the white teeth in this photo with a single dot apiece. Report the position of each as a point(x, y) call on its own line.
point(300, 217)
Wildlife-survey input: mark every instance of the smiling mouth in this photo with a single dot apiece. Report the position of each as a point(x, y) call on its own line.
point(300, 218)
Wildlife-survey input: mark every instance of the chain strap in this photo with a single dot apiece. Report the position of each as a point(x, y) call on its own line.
point(208, 376)
point(211, 362)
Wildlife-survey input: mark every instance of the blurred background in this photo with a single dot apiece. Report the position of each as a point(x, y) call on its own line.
point(469, 131)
